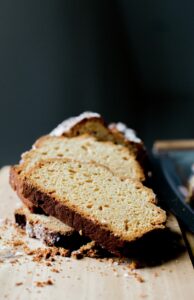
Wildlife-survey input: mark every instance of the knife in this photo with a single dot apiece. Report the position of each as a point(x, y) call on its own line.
point(172, 163)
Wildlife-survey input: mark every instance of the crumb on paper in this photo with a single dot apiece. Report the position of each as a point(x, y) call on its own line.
point(44, 283)
point(135, 275)
point(156, 274)
point(14, 261)
point(133, 265)
point(49, 253)
point(55, 270)
point(18, 283)
point(139, 278)
point(143, 296)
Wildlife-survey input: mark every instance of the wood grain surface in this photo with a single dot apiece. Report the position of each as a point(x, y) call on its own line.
point(88, 278)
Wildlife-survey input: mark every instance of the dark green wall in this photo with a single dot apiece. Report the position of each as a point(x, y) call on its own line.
point(129, 60)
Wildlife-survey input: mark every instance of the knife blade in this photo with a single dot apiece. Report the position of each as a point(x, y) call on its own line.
point(171, 172)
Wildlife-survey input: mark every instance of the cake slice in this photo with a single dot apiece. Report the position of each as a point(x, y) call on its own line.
point(47, 229)
point(93, 124)
point(91, 199)
point(85, 148)
point(53, 232)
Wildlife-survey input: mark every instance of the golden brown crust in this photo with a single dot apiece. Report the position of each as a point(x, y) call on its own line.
point(16, 182)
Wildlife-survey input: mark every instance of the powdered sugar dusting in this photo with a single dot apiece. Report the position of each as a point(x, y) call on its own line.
point(128, 132)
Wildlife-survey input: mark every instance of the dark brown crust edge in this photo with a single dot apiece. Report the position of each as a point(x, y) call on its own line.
point(17, 185)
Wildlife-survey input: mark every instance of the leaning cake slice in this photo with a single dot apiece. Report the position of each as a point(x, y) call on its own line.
point(89, 197)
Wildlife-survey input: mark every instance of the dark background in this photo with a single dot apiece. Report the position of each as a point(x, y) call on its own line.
point(129, 60)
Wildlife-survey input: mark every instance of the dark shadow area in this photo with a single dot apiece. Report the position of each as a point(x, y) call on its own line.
point(156, 248)
point(153, 249)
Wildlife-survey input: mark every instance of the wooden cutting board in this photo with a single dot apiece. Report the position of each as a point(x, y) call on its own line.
point(90, 278)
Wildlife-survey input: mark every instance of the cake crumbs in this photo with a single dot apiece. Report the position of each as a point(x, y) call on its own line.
point(14, 261)
point(88, 250)
point(133, 265)
point(17, 243)
point(41, 254)
point(156, 274)
point(44, 283)
point(18, 283)
point(143, 296)
point(136, 276)
point(55, 270)
point(139, 277)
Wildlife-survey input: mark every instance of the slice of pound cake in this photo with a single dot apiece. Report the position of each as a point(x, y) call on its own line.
point(83, 148)
point(93, 124)
point(53, 232)
point(45, 228)
point(91, 199)
point(86, 148)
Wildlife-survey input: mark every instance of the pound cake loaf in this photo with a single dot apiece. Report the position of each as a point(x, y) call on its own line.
point(91, 199)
